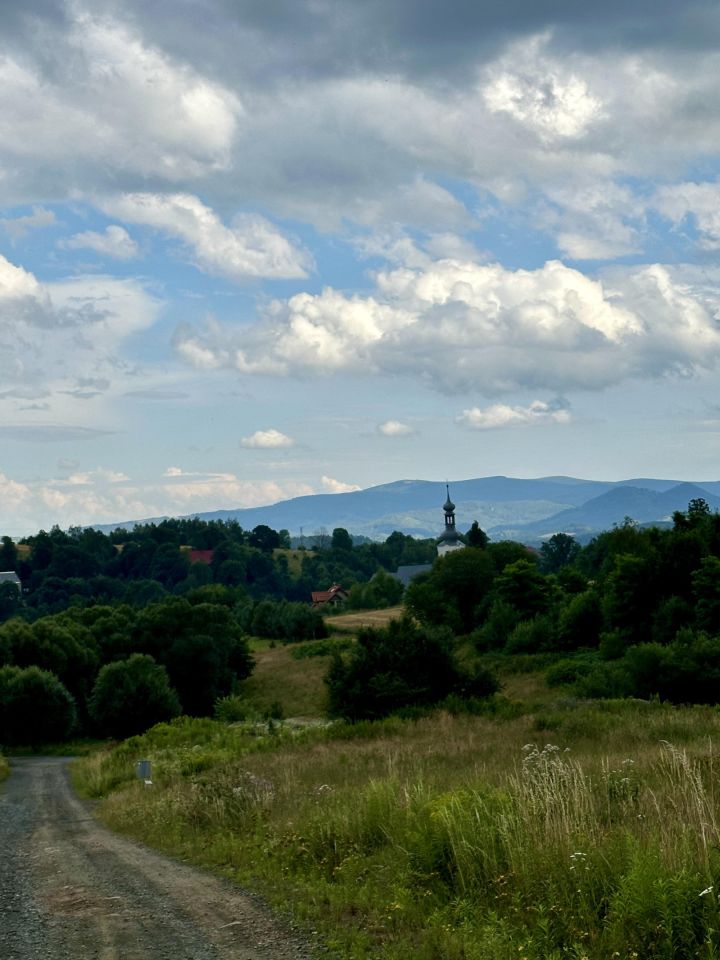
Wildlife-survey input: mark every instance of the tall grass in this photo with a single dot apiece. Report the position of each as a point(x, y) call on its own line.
point(461, 838)
point(4, 768)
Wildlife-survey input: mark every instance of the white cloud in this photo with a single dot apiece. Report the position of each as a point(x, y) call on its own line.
point(503, 415)
point(114, 242)
point(395, 428)
point(61, 342)
point(111, 103)
point(701, 201)
point(251, 247)
point(267, 440)
point(541, 94)
point(463, 326)
point(337, 486)
point(17, 227)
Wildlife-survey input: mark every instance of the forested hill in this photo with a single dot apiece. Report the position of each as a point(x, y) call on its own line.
point(506, 507)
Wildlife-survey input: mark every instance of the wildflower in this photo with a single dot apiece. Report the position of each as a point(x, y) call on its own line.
point(705, 891)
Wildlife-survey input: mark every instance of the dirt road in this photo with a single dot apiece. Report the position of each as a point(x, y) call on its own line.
point(71, 890)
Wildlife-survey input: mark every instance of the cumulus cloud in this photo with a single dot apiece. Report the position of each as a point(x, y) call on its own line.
point(557, 104)
point(331, 485)
point(250, 247)
point(503, 415)
point(60, 343)
point(463, 326)
point(115, 242)
point(395, 428)
point(267, 440)
point(111, 102)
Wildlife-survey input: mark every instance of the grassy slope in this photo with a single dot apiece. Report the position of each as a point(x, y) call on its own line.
point(297, 685)
point(444, 837)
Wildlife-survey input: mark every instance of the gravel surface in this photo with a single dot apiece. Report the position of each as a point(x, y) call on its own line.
point(72, 890)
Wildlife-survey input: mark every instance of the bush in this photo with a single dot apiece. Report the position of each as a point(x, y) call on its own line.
point(233, 710)
point(569, 671)
point(400, 666)
point(132, 695)
point(532, 636)
point(35, 707)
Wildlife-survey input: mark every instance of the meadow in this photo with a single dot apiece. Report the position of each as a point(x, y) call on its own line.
point(545, 828)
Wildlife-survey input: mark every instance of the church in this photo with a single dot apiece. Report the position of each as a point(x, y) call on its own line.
point(449, 539)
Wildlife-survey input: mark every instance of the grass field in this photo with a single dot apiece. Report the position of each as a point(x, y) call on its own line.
point(581, 830)
point(350, 623)
point(278, 678)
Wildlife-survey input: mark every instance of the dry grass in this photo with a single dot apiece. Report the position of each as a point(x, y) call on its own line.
point(297, 685)
point(352, 622)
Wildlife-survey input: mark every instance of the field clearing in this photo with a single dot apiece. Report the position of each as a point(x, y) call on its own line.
point(352, 622)
point(294, 558)
point(278, 678)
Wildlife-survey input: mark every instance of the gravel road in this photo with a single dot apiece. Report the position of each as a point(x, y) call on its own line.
point(72, 890)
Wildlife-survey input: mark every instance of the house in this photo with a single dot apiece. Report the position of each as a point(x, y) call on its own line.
point(200, 556)
point(9, 576)
point(332, 598)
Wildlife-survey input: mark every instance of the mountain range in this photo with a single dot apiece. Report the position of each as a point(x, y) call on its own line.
point(505, 507)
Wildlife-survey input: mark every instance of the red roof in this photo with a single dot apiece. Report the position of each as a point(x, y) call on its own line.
point(322, 596)
point(200, 556)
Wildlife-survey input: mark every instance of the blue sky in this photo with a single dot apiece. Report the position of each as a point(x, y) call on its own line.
point(250, 251)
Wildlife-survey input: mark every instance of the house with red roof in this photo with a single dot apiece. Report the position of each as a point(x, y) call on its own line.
point(333, 598)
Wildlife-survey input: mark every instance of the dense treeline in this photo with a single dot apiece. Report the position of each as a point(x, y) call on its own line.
point(115, 632)
point(115, 670)
point(82, 567)
point(637, 608)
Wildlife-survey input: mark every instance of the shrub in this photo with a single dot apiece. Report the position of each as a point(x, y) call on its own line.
point(570, 670)
point(35, 707)
point(532, 636)
point(233, 710)
point(400, 666)
point(132, 695)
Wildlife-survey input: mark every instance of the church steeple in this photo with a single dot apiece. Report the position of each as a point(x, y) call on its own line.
point(449, 539)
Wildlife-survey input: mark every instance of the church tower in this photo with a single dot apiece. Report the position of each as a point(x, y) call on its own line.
point(449, 539)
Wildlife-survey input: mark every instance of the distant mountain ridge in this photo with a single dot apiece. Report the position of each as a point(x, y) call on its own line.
point(505, 507)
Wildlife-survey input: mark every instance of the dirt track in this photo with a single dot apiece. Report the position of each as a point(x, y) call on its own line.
point(71, 890)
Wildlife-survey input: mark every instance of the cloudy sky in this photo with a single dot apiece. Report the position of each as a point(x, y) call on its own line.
point(250, 250)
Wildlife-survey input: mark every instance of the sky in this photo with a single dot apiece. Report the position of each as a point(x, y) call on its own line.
point(254, 250)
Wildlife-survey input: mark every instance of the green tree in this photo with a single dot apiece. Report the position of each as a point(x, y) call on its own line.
point(475, 537)
point(132, 695)
point(706, 590)
point(452, 593)
point(400, 666)
point(200, 644)
point(522, 587)
point(10, 601)
point(35, 707)
point(341, 540)
point(631, 597)
point(559, 551)
point(8, 554)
